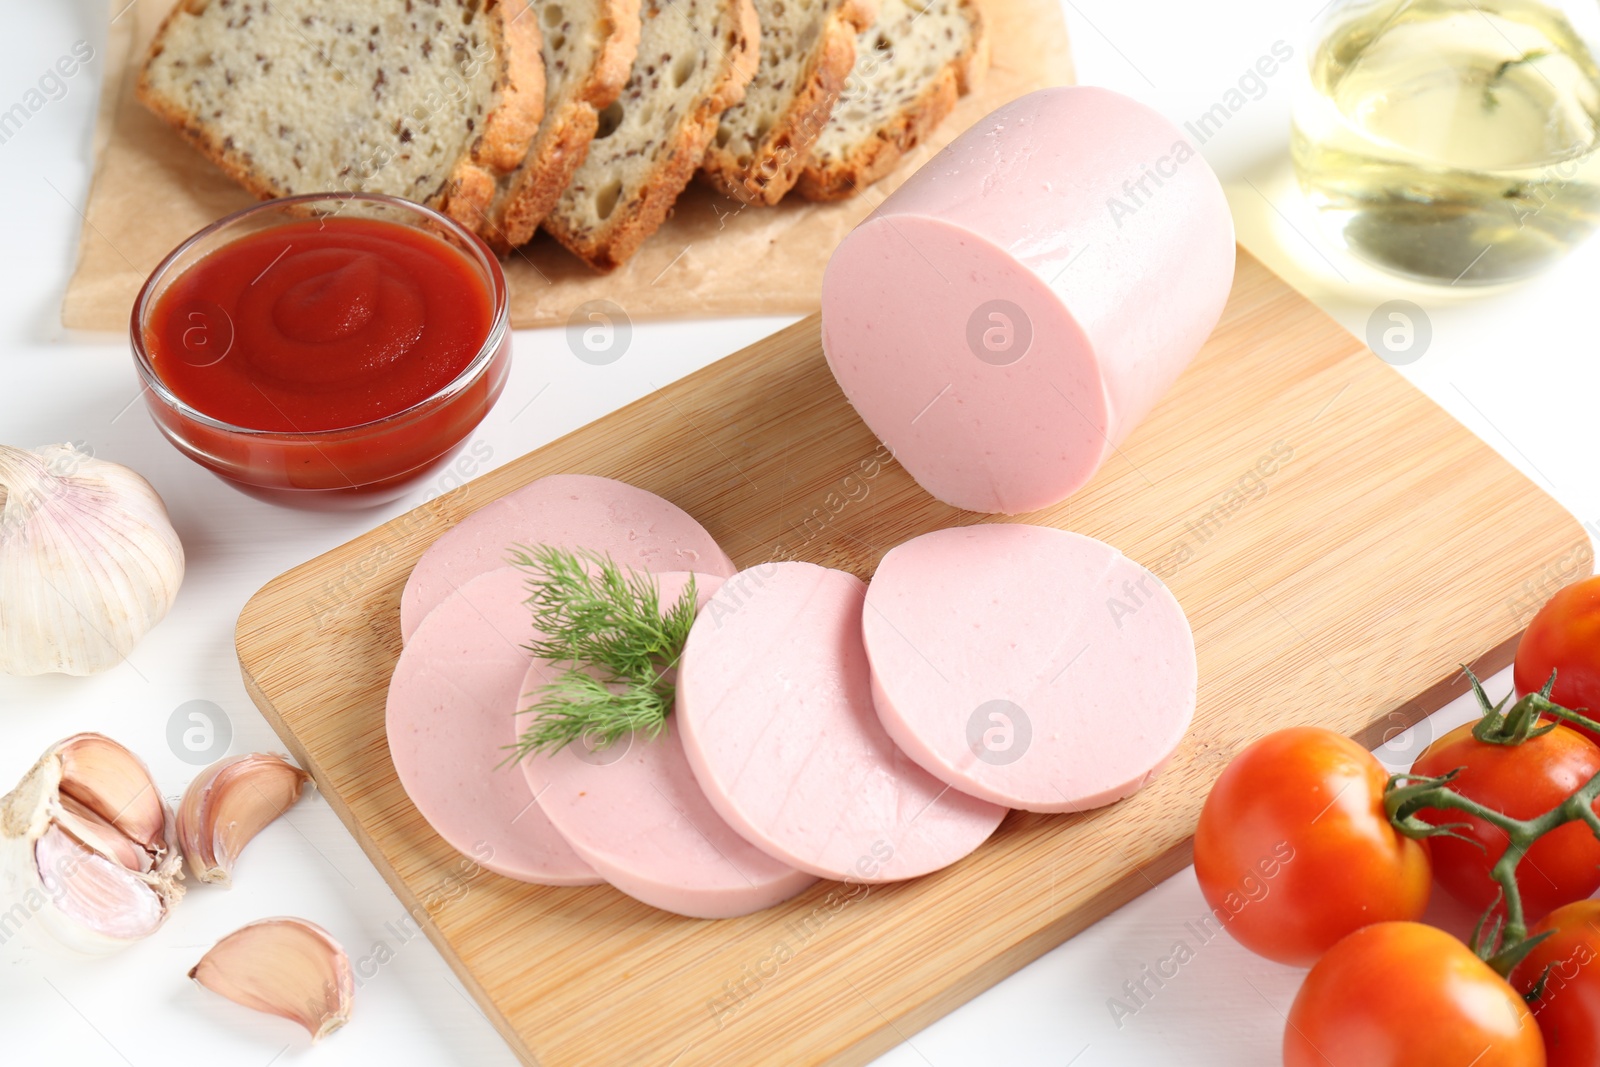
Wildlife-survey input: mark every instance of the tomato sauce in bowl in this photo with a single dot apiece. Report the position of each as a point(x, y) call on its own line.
point(324, 350)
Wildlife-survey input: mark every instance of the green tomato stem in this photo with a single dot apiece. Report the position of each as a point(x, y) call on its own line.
point(1502, 946)
point(1521, 723)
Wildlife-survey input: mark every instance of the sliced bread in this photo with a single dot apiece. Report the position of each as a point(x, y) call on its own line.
point(910, 69)
point(695, 59)
point(435, 101)
point(807, 50)
point(589, 47)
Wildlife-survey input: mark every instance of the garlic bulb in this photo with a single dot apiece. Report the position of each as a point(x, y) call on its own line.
point(88, 561)
point(228, 804)
point(88, 847)
point(287, 967)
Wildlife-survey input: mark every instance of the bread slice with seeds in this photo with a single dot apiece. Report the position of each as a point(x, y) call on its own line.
point(808, 48)
point(435, 101)
point(910, 69)
point(589, 47)
point(695, 59)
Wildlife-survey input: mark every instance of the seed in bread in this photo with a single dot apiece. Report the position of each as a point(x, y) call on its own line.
point(431, 100)
point(808, 48)
point(910, 68)
point(695, 59)
point(589, 47)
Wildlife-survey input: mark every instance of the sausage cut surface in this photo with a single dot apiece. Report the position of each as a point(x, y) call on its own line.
point(1033, 667)
point(635, 811)
point(1008, 315)
point(634, 527)
point(449, 714)
point(775, 707)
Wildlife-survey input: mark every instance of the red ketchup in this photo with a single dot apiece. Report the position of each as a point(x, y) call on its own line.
point(326, 328)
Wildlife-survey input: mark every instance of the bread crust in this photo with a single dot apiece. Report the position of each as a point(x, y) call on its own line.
point(509, 126)
point(563, 140)
point(465, 194)
point(780, 158)
point(618, 53)
point(561, 147)
point(843, 178)
point(973, 64)
point(610, 245)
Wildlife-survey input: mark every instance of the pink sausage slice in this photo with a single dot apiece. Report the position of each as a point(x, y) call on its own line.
point(1030, 666)
point(449, 714)
point(634, 527)
point(635, 812)
point(775, 707)
point(1009, 314)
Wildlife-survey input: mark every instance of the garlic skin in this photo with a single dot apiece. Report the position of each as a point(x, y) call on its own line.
point(228, 804)
point(88, 847)
point(285, 966)
point(89, 561)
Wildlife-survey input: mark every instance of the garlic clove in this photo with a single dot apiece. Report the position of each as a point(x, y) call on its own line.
point(115, 784)
point(99, 835)
point(228, 804)
point(287, 967)
point(80, 850)
point(94, 893)
point(89, 561)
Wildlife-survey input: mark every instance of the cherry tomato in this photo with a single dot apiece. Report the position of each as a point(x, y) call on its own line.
point(1294, 850)
point(1407, 995)
point(1568, 1010)
point(1522, 781)
point(1565, 637)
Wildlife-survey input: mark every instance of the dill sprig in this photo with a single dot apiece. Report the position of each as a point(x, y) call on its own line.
point(604, 624)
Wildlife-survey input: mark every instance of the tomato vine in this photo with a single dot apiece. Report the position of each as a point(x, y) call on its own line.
point(1501, 942)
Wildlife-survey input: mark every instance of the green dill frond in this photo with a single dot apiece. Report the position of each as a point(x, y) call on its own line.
point(578, 706)
point(605, 625)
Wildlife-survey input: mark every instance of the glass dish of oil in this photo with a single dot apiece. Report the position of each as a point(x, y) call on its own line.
point(1453, 141)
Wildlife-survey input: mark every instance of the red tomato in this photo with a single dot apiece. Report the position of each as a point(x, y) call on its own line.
point(1294, 850)
point(1565, 637)
point(1408, 995)
point(1522, 781)
point(1568, 1010)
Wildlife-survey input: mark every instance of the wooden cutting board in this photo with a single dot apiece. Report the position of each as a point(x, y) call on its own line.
point(1338, 542)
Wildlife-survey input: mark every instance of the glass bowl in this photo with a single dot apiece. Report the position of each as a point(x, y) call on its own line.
point(353, 466)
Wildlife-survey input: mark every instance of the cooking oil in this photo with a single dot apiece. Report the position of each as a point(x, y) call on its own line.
point(1453, 140)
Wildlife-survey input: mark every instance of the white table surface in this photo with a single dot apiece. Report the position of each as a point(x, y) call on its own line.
point(1519, 367)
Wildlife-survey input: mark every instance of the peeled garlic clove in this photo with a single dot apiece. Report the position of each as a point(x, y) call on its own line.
point(286, 967)
point(89, 561)
point(89, 847)
point(228, 804)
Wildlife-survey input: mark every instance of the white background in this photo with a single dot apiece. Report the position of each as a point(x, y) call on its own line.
point(1518, 367)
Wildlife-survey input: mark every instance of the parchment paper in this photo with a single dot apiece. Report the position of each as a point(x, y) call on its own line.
point(712, 257)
